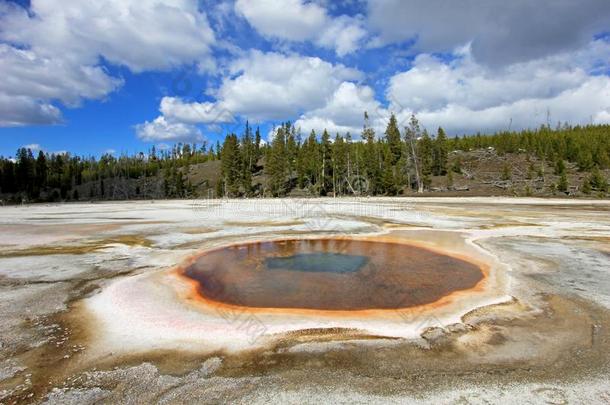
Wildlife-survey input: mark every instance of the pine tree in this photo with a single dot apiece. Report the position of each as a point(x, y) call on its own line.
point(248, 157)
point(292, 148)
point(311, 162)
point(392, 136)
point(450, 179)
point(597, 180)
point(340, 155)
point(327, 165)
point(563, 185)
point(276, 166)
point(389, 185)
point(586, 186)
point(25, 171)
point(219, 188)
point(371, 160)
point(440, 153)
point(257, 145)
point(456, 167)
point(41, 173)
point(584, 160)
point(560, 167)
point(425, 152)
point(218, 150)
point(231, 164)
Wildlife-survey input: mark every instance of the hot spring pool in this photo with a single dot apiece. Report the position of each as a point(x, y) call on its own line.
point(329, 274)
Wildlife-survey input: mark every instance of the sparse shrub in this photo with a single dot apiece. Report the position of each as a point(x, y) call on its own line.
point(506, 172)
point(457, 165)
point(586, 186)
point(563, 184)
point(560, 167)
point(598, 181)
point(530, 171)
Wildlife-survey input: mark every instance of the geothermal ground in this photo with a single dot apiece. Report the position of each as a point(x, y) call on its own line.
point(98, 302)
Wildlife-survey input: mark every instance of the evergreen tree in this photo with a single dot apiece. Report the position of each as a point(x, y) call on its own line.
point(327, 165)
point(389, 185)
point(425, 155)
point(392, 136)
point(276, 164)
point(450, 179)
point(598, 181)
point(248, 157)
point(560, 167)
point(371, 158)
point(340, 154)
point(25, 170)
point(586, 186)
point(292, 148)
point(41, 174)
point(457, 165)
point(257, 145)
point(311, 162)
point(563, 185)
point(231, 164)
point(439, 167)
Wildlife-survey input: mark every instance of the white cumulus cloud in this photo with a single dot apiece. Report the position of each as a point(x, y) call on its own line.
point(465, 96)
point(53, 49)
point(161, 129)
point(142, 35)
point(296, 20)
point(275, 86)
point(344, 112)
point(176, 109)
point(259, 87)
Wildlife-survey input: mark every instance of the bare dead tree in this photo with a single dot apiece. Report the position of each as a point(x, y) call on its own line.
point(411, 135)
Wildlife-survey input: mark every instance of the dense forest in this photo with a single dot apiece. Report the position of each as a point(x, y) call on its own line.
point(392, 163)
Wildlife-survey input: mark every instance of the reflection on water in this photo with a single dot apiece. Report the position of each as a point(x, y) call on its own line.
point(330, 274)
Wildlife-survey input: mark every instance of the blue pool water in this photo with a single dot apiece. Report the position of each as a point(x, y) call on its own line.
point(318, 262)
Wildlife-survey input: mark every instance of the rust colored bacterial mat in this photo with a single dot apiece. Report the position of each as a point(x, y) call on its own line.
point(329, 274)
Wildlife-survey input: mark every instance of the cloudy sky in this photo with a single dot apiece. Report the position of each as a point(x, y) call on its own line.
point(123, 75)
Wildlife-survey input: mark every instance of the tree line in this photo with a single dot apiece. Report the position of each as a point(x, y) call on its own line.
point(399, 159)
point(396, 160)
point(59, 176)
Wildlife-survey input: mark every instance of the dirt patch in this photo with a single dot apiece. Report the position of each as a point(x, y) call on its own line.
point(197, 231)
point(263, 223)
point(93, 246)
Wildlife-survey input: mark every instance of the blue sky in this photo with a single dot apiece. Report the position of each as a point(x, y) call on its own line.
point(123, 75)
